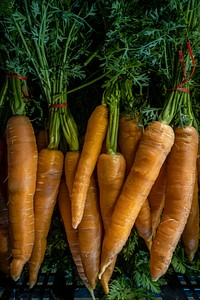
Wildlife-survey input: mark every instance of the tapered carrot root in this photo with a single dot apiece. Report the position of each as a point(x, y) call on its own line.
point(155, 144)
point(111, 173)
point(71, 163)
point(181, 166)
point(95, 135)
point(143, 223)
point(22, 158)
point(72, 234)
point(157, 198)
point(190, 235)
point(50, 168)
point(90, 233)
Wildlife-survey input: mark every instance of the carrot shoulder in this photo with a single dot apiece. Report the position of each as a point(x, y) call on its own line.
point(181, 167)
point(50, 167)
point(154, 146)
point(22, 158)
point(94, 137)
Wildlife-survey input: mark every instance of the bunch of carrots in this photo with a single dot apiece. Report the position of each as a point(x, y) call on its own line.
point(127, 174)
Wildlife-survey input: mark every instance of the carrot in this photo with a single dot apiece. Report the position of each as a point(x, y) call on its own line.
point(50, 168)
point(111, 173)
point(90, 234)
point(42, 139)
point(155, 144)
point(157, 198)
point(64, 204)
point(190, 235)
point(181, 166)
point(22, 158)
point(128, 139)
point(130, 133)
point(95, 134)
point(198, 164)
point(143, 223)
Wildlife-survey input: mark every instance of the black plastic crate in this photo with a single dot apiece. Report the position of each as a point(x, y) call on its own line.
point(52, 285)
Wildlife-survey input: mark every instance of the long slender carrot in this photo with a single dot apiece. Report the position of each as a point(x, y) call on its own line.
point(181, 166)
point(129, 136)
point(95, 134)
point(155, 144)
point(22, 158)
point(157, 198)
point(50, 168)
point(90, 233)
point(190, 235)
point(64, 203)
point(111, 173)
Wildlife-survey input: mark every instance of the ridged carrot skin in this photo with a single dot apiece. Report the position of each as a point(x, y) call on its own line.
point(22, 158)
point(157, 198)
point(64, 204)
point(129, 137)
point(90, 232)
point(111, 170)
point(190, 235)
point(143, 223)
point(155, 144)
point(94, 137)
point(50, 168)
point(181, 167)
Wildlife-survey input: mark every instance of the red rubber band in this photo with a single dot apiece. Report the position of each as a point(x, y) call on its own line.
point(17, 76)
point(59, 105)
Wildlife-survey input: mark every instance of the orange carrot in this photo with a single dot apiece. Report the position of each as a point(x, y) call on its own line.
point(50, 168)
point(71, 233)
point(155, 144)
point(190, 235)
point(94, 137)
point(143, 223)
point(22, 158)
point(111, 173)
point(157, 198)
point(42, 139)
point(181, 167)
point(128, 139)
point(130, 133)
point(90, 234)
point(198, 164)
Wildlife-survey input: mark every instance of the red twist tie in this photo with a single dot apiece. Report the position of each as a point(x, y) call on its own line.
point(182, 61)
point(17, 76)
point(59, 105)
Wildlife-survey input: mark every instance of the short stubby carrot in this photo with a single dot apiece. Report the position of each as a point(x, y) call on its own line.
point(157, 198)
point(111, 170)
point(94, 137)
point(22, 158)
point(90, 231)
point(181, 167)
point(49, 172)
point(190, 235)
point(155, 144)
